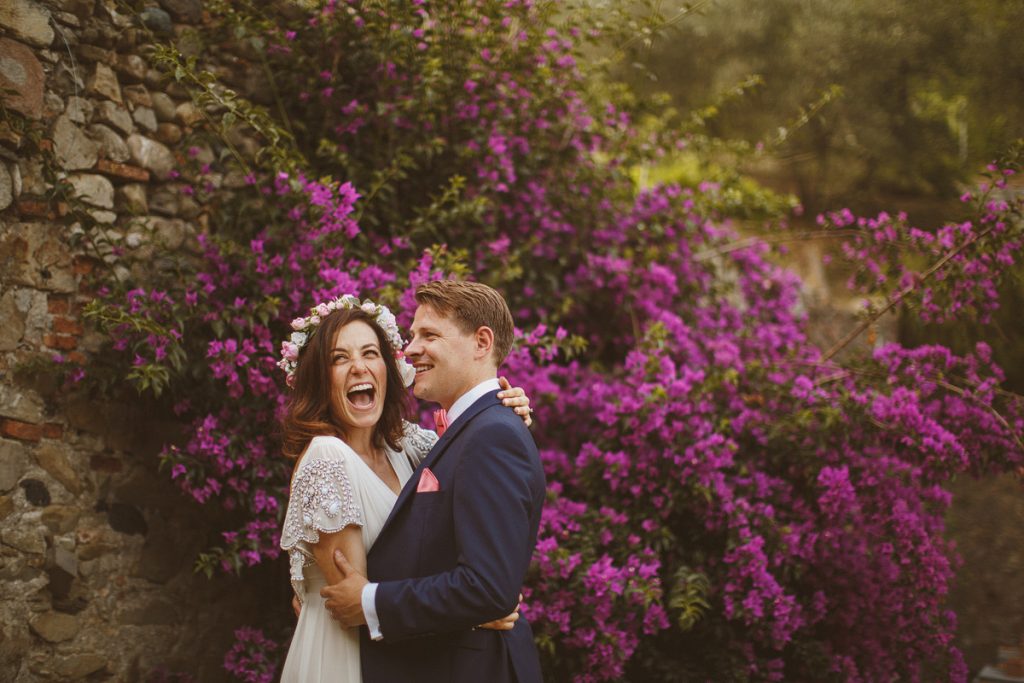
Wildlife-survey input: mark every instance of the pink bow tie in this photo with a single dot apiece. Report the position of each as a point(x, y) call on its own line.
point(440, 421)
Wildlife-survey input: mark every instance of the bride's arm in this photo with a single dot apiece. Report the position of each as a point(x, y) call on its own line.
point(350, 542)
point(516, 399)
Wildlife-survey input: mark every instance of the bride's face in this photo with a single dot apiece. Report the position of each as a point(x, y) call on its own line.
point(359, 377)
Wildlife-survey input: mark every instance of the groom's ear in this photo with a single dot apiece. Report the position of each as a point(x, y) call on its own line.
point(484, 340)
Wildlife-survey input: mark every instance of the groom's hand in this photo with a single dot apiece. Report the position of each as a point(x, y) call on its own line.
point(344, 599)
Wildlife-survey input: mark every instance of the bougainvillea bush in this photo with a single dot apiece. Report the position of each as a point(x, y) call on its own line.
point(726, 501)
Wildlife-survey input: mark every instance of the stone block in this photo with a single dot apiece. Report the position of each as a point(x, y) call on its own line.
point(65, 80)
point(188, 114)
point(103, 81)
point(53, 105)
point(93, 543)
point(27, 21)
point(23, 431)
point(31, 209)
point(61, 342)
point(152, 155)
point(22, 73)
point(13, 463)
point(17, 182)
point(11, 138)
point(164, 107)
point(36, 255)
point(137, 95)
point(79, 109)
point(32, 179)
point(82, 9)
point(112, 145)
point(6, 507)
point(93, 189)
point(28, 538)
point(108, 112)
point(157, 21)
point(56, 460)
point(79, 665)
point(188, 208)
point(64, 560)
point(169, 134)
point(21, 404)
point(55, 627)
point(68, 19)
point(123, 171)
point(58, 305)
point(132, 199)
point(73, 148)
point(131, 67)
point(165, 201)
point(131, 38)
point(188, 11)
point(61, 519)
point(6, 187)
point(93, 53)
point(145, 119)
point(170, 234)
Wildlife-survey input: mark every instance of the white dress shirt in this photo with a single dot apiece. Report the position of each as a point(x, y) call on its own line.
point(368, 598)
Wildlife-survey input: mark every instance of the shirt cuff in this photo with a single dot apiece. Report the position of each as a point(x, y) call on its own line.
point(369, 600)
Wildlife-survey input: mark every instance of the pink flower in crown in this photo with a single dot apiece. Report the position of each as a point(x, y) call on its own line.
point(305, 327)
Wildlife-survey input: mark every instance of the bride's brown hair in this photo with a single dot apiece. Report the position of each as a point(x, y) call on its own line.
point(309, 411)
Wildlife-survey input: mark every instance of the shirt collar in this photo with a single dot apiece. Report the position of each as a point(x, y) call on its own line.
point(470, 397)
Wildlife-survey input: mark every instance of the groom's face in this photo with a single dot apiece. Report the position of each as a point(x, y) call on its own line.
point(443, 356)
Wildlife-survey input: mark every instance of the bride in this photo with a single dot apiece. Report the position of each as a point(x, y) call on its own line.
point(344, 425)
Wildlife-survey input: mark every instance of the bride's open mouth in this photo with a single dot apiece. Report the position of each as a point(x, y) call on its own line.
point(362, 396)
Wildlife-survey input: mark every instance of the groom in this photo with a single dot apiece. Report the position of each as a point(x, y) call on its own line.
point(455, 549)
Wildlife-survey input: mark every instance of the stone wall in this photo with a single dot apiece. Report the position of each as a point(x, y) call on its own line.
point(96, 547)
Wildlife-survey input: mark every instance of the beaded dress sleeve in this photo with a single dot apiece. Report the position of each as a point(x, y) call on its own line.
point(417, 442)
point(321, 501)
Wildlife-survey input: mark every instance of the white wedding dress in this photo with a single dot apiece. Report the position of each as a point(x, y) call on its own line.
point(331, 489)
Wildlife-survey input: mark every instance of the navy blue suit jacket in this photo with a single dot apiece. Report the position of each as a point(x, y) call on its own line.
point(449, 560)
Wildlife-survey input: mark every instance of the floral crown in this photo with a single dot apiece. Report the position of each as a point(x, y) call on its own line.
point(303, 329)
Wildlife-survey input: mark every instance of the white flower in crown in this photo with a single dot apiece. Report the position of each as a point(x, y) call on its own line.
point(303, 329)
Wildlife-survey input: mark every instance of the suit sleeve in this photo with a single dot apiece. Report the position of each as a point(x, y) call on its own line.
point(495, 491)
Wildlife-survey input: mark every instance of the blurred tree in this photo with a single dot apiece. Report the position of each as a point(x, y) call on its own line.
point(929, 89)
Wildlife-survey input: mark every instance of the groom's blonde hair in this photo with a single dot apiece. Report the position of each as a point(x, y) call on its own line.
point(471, 305)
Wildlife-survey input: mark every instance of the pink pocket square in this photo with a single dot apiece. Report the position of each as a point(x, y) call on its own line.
point(428, 482)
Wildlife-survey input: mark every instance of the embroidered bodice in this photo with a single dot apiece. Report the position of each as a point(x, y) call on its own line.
point(333, 488)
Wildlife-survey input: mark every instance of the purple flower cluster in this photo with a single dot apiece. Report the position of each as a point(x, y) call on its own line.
point(966, 261)
point(251, 659)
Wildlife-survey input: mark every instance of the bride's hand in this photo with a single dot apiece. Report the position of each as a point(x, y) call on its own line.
point(516, 399)
point(505, 623)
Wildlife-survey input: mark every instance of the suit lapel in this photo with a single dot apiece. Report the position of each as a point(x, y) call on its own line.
point(437, 451)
